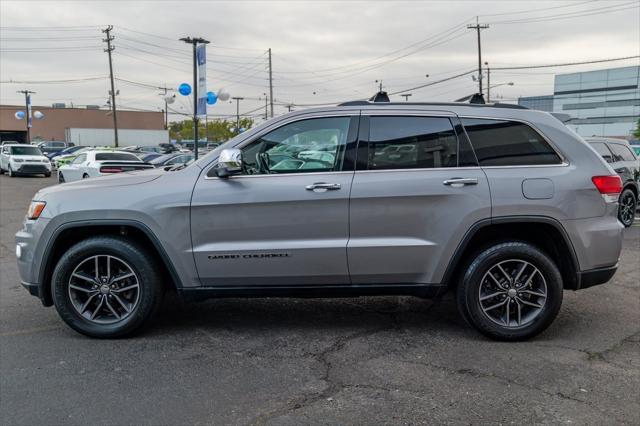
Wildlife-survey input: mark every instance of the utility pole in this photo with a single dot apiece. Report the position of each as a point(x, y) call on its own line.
point(406, 96)
point(486, 64)
point(266, 103)
point(109, 49)
point(195, 41)
point(479, 27)
point(270, 84)
point(27, 111)
point(237, 99)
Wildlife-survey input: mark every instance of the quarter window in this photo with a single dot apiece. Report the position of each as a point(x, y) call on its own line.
point(411, 143)
point(306, 146)
point(508, 143)
point(621, 152)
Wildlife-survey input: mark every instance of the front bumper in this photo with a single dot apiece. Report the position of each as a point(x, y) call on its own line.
point(32, 168)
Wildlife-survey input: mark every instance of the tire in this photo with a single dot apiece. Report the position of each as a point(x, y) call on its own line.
point(85, 176)
point(48, 174)
point(498, 316)
point(11, 172)
point(60, 177)
point(110, 298)
point(1, 170)
point(628, 203)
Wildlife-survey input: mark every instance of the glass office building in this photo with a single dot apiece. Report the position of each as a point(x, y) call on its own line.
point(601, 103)
point(541, 103)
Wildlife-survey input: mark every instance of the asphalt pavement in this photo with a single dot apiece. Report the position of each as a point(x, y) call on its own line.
point(382, 360)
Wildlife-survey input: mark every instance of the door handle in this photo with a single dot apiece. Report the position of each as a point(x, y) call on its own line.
point(323, 186)
point(459, 182)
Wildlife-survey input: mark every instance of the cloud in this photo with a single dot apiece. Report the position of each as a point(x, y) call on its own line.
point(326, 47)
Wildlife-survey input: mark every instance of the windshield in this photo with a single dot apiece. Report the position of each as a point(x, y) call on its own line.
point(116, 156)
point(25, 150)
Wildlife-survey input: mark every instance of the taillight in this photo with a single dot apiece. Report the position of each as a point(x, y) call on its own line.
point(609, 186)
point(110, 169)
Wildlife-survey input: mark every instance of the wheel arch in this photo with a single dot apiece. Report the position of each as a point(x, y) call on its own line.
point(70, 233)
point(544, 232)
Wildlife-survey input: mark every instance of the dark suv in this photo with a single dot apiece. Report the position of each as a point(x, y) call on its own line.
point(618, 153)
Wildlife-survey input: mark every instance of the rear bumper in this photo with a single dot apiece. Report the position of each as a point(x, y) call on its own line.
point(595, 277)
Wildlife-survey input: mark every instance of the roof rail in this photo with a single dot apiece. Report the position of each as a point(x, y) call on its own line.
point(384, 104)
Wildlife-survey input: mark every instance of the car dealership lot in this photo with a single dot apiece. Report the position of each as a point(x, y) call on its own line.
point(330, 361)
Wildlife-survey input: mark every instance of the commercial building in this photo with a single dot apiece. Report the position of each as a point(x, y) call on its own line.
point(601, 103)
point(60, 123)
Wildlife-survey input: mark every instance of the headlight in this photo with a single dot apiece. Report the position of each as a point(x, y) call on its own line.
point(17, 160)
point(35, 209)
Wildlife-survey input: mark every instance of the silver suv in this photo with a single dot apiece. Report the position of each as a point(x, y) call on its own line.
point(503, 205)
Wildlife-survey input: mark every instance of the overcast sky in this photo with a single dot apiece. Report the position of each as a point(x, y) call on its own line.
point(323, 51)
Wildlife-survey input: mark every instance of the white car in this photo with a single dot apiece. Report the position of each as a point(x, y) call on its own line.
point(96, 163)
point(23, 159)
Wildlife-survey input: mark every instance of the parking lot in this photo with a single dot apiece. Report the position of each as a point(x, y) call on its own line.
point(383, 360)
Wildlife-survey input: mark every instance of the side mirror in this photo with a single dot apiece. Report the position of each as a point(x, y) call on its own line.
point(229, 163)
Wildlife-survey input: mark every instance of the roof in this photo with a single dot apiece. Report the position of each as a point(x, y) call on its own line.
point(409, 104)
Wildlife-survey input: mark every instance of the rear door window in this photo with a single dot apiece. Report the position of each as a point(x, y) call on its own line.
point(621, 152)
point(508, 143)
point(409, 142)
point(603, 151)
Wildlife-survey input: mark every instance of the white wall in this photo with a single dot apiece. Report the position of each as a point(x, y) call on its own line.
point(126, 137)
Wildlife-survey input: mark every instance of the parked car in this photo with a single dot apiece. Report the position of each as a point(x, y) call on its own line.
point(146, 157)
point(66, 151)
point(174, 159)
point(635, 146)
point(94, 163)
point(168, 148)
point(63, 159)
point(48, 147)
point(504, 205)
point(618, 153)
point(23, 159)
point(10, 143)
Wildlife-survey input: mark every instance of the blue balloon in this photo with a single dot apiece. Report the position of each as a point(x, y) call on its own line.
point(242, 129)
point(212, 98)
point(184, 89)
point(19, 115)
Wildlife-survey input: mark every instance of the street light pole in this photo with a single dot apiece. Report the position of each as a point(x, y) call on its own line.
point(26, 111)
point(486, 64)
point(195, 41)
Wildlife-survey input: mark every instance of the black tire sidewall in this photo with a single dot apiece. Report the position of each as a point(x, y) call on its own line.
point(628, 191)
point(467, 295)
point(137, 258)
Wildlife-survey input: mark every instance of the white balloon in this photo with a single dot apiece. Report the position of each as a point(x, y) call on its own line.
point(223, 95)
point(170, 98)
point(38, 115)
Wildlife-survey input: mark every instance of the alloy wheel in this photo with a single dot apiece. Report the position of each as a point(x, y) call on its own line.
point(104, 289)
point(512, 293)
point(627, 208)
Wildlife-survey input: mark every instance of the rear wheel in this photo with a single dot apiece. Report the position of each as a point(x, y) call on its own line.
point(627, 207)
point(106, 287)
point(511, 291)
point(85, 176)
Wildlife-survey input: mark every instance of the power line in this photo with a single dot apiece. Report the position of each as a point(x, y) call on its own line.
point(574, 14)
point(597, 61)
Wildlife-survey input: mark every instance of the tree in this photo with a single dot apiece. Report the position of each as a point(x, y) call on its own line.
point(219, 130)
point(636, 132)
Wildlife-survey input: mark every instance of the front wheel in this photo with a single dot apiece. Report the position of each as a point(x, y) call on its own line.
point(511, 291)
point(47, 174)
point(627, 207)
point(106, 287)
point(60, 177)
point(11, 172)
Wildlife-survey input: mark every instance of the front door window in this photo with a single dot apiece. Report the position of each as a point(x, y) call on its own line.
point(313, 145)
